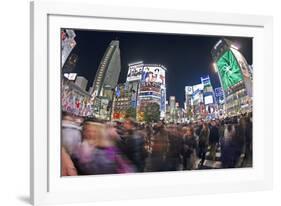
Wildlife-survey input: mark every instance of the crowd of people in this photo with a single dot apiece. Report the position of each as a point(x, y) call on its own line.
point(91, 147)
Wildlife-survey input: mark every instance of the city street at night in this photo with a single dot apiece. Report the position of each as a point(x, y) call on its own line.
point(153, 102)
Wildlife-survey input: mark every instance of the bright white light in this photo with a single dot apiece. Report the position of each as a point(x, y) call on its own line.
point(215, 67)
point(208, 99)
point(234, 47)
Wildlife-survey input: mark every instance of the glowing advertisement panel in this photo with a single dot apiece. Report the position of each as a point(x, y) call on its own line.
point(134, 72)
point(229, 70)
point(153, 74)
point(208, 99)
point(188, 90)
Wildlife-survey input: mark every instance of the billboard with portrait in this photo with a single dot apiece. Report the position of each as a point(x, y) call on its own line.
point(134, 72)
point(153, 74)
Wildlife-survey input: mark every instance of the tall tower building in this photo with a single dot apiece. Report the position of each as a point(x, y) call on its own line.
point(172, 102)
point(106, 80)
point(108, 71)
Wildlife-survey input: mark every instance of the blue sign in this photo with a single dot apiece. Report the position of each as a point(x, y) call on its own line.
point(218, 92)
point(117, 92)
point(206, 80)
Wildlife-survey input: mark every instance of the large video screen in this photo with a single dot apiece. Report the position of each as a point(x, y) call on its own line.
point(134, 72)
point(229, 70)
point(153, 74)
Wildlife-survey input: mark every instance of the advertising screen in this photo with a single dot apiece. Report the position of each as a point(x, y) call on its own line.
point(229, 70)
point(188, 90)
point(70, 76)
point(208, 99)
point(134, 72)
point(205, 80)
point(197, 88)
point(242, 63)
point(218, 92)
point(153, 74)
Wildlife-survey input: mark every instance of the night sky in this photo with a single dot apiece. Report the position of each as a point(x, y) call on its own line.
point(186, 57)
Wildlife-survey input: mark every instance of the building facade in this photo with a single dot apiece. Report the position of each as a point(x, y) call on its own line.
point(147, 84)
point(106, 80)
point(235, 77)
point(67, 44)
point(82, 82)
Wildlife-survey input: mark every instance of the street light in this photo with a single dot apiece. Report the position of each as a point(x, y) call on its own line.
point(234, 47)
point(215, 67)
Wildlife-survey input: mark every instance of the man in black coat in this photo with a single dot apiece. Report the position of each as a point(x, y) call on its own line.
point(134, 145)
point(213, 139)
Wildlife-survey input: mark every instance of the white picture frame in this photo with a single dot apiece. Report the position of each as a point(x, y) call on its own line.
point(47, 17)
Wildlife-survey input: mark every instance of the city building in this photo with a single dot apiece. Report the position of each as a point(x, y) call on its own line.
point(106, 80)
point(148, 86)
point(82, 82)
point(188, 103)
point(210, 104)
point(174, 113)
point(152, 88)
point(75, 100)
point(122, 102)
point(235, 77)
point(67, 44)
point(200, 100)
point(70, 63)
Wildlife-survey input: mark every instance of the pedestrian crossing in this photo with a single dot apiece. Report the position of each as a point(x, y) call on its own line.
point(209, 162)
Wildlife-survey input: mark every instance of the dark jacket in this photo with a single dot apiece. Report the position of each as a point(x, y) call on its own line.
point(175, 146)
point(189, 146)
point(214, 135)
point(135, 150)
point(204, 138)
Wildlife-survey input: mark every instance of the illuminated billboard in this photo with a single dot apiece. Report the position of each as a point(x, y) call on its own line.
point(153, 74)
point(70, 76)
point(188, 90)
point(218, 92)
point(198, 87)
point(242, 63)
point(208, 99)
point(229, 70)
point(206, 80)
point(134, 72)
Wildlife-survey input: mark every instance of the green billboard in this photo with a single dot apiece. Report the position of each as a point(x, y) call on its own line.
point(229, 70)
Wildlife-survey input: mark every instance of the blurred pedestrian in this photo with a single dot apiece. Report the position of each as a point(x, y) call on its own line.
point(213, 140)
point(189, 149)
point(203, 142)
point(159, 148)
point(67, 166)
point(71, 132)
point(134, 145)
point(227, 147)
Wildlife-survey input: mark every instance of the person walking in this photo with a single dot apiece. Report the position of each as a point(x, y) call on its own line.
point(134, 145)
point(213, 139)
point(189, 149)
point(203, 142)
point(160, 143)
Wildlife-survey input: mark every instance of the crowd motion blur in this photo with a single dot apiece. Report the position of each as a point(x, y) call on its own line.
point(91, 146)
